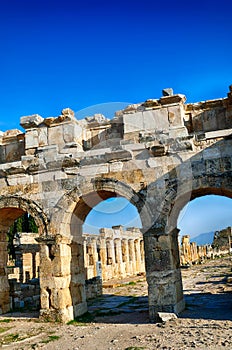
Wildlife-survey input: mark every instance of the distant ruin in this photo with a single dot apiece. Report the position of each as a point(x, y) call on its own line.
point(112, 254)
point(158, 154)
point(191, 253)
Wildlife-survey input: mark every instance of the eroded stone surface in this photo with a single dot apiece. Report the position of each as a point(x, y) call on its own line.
point(61, 168)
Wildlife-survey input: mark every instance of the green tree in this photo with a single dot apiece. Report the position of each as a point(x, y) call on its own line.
point(24, 223)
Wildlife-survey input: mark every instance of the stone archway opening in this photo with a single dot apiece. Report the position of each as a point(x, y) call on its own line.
point(20, 287)
point(107, 247)
point(205, 237)
point(199, 221)
point(23, 264)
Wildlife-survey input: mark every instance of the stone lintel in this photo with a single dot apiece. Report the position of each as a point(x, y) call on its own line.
point(150, 103)
point(114, 156)
point(203, 105)
point(54, 239)
point(167, 100)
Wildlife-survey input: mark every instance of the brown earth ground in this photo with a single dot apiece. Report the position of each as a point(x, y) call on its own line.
point(119, 319)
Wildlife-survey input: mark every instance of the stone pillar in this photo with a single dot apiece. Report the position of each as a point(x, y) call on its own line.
point(95, 255)
point(131, 249)
point(110, 258)
point(19, 262)
point(165, 291)
point(86, 258)
point(142, 254)
point(33, 256)
point(4, 284)
point(110, 251)
point(37, 262)
point(118, 256)
point(77, 284)
point(55, 279)
point(103, 257)
point(137, 255)
point(125, 255)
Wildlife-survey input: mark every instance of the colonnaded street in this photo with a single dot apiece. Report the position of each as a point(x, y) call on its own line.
point(119, 319)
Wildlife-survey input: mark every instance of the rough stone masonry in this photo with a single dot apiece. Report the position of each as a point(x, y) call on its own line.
point(158, 154)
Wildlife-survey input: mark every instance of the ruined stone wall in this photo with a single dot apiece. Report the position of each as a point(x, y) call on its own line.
point(93, 288)
point(25, 295)
point(223, 240)
point(158, 154)
point(209, 116)
point(191, 253)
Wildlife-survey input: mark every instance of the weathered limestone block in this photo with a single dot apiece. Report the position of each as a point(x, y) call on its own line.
point(12, 145)
point(42, 136)
point(73, 133)
point(167, 100)
point(68, 112)
point(167, 92)
point(156, 148)
point(166, 316)
point(31, 139)
point(176, 115)
point(19, 179)
point(155, 120)
point(14, 151)
point(120, 155)
point(48, 153)
point(61, 298)
point(164, 295)
point(93, 170)
point(55, 136)
point(31, 121)
point(210, 120)
point(116, 166)
point(178, 132)
point(150, 103)
point(2, 154)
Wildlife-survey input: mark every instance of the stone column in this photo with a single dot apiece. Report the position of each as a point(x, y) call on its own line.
point(4, 284)
point(95, 255)
point(165, 291)
point(77, 284)
point(86, 258)
point(19, 262)
point(103, 257)
point(137, 255)
point(131, 249)
point(110, 258)
point(57, 302)
point(118, 256)
point(142, 255)
point(125, 255)
point(33, 264)
point(111, 254)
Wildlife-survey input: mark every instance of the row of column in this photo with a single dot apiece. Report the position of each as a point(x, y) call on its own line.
point(113, 258)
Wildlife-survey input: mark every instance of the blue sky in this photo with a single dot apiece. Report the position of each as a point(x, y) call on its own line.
point(57, 54)
point(204, 214)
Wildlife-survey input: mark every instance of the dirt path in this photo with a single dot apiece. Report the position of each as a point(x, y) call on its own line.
point(120, 318)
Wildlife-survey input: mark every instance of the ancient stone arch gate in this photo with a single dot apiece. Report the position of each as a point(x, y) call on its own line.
point(158, 154)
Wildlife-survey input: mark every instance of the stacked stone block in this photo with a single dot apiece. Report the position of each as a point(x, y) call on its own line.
point(159, 154)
